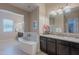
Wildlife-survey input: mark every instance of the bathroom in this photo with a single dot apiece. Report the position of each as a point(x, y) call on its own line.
point(36, 25)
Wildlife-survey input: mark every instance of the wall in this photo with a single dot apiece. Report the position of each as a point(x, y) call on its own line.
point(42, 17)
point(34, 16)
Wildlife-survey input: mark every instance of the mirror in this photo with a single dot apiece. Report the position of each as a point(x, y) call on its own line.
point(64, 20)
point(56, 19)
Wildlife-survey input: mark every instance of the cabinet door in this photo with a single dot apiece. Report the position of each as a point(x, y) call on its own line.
point(43, 44)
point(74, 49)
point(51, 46)
point(62, 48)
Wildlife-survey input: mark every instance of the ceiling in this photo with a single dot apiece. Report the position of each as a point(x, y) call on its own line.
point(26, 6)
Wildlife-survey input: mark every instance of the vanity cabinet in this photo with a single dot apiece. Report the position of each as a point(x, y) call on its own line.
point(43, 44)
point(51, 46)
point(48, 45)
point(74, 49)
point(63, 47)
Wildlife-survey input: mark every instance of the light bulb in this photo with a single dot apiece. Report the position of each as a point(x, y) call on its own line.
point(60, 11)
point(67, 9)
point(54, 13)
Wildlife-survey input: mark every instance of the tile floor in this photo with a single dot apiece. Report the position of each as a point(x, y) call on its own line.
point(10, 47)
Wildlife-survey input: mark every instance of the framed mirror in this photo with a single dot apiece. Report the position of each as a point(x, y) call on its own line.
point(65, 20)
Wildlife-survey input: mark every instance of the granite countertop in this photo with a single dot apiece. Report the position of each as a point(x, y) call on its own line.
point(71, 39)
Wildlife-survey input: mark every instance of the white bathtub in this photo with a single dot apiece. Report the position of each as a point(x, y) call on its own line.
point(30, 47)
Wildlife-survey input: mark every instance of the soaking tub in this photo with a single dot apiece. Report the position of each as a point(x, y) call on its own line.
point(30, 47)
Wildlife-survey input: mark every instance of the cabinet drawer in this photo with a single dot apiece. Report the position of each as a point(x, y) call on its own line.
point(44, 38)
point(74, 48)
point(65, 43)
point(51, 47)
point(43, 44)
point(51, 40)
point(74, 51)
point(62, 47)
point(75, 45)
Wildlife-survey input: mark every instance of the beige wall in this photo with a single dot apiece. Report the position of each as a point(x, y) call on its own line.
point(34, 16)
point(42, 17)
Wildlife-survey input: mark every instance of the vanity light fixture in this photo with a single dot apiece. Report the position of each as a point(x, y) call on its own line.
point(67, 9)
point(59, 11)
point(53, 13)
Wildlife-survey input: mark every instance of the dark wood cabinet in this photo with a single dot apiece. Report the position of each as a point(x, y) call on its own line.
point(51, 46)
point(63, 47)
point(74, 49)
point(54, 46)
point(43, 44)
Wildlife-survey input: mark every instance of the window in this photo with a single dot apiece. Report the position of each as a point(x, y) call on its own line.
point(7, 25)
